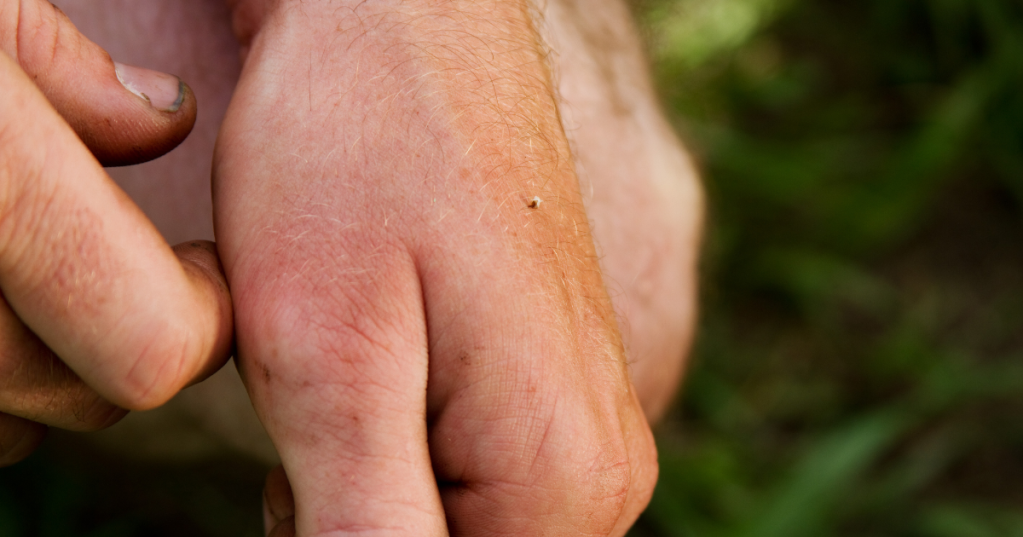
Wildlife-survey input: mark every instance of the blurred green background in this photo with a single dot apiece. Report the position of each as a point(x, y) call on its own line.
point(859, 364)
point(858, 368)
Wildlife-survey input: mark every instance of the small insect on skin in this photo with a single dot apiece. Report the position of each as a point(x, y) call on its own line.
point(534, 203)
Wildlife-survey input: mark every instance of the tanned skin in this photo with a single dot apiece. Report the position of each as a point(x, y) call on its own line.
point(421, 315)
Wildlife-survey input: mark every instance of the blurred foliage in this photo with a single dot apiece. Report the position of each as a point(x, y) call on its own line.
point(857, 370)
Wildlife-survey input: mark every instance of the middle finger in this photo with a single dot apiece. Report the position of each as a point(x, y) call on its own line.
point(36, 385)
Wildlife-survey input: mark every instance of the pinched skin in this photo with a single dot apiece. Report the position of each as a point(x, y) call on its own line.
point(374, 184)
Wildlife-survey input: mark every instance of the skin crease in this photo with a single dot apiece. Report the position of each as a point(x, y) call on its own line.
point(649, 275)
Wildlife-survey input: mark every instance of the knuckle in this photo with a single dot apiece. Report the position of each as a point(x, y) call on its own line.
point(605, 485)
point(585, 468)
point(645, 472)
point(356, 333)
point(610, 470)
point(613, 485)
point(611, 477)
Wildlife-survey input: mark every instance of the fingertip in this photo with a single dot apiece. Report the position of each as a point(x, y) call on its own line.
point(196, 341)
point(124, 114)
point(144, 114)
point(18, 438)
point(202, 265)
point(202, 258)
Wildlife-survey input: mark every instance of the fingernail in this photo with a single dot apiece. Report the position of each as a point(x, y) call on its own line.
point(162, 91)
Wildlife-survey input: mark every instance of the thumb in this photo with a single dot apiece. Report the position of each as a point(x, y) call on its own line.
point(124, 114)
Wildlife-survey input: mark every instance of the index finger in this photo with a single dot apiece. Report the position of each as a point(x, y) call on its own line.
point(88, 273)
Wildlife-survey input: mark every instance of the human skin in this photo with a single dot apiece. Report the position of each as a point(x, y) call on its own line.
point(638, 187)
point(98, 313)
point(400, 220)
point(615, 197)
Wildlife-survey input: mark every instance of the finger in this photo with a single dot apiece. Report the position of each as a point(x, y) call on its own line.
point(18, 438)
point(36, 385)
point(124, 114)
point(535, 425)
point(336, 369)
point(286, 528)
point(87, 273)
point(278, 500)
point(206, 274)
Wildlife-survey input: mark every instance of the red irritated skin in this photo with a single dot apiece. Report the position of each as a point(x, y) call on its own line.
point(420, 316)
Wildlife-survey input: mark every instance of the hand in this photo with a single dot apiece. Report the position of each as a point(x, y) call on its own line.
point(99, 314)
point(421, 319)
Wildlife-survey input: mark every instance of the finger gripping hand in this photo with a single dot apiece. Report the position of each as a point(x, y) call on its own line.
point(430, 348)
point(97, 312)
